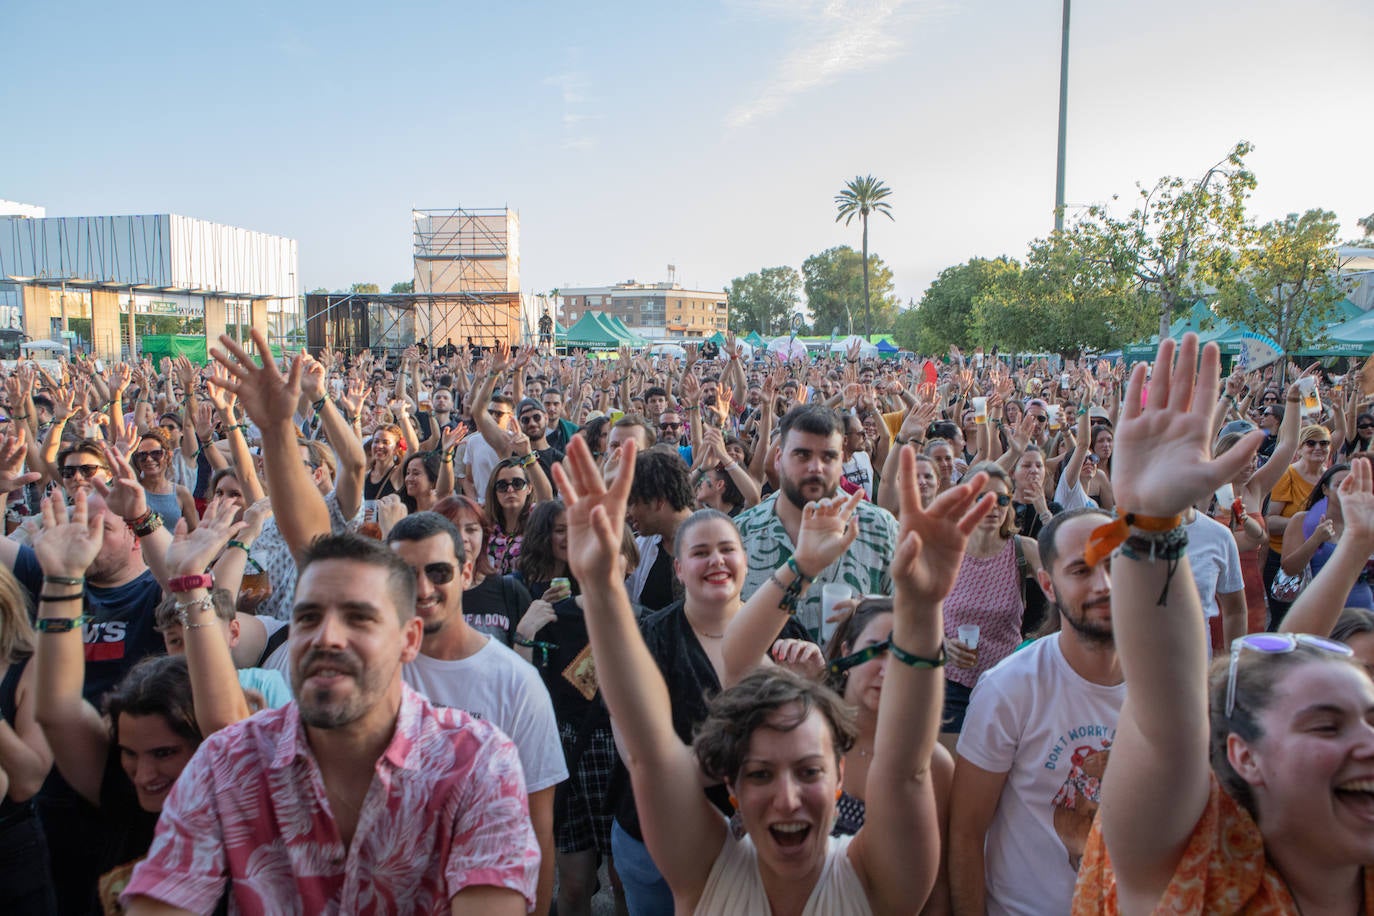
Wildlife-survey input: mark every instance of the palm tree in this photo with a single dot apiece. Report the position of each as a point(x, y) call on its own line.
point(861, 196)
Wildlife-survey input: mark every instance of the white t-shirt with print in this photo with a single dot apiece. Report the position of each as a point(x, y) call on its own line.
point(1034, 718)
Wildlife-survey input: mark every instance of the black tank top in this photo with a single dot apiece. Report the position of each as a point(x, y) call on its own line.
point(383, 487)
point(9, 710)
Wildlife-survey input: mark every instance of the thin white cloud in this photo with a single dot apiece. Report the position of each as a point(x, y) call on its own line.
point(572, 87)
point(832, 38)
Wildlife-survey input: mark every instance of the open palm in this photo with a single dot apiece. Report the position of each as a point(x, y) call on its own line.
point(595, 515)
point(930, 541)
point(827, 529)
point(1162, 462)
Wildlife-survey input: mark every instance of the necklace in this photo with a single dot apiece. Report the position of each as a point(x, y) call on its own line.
point(708, 635)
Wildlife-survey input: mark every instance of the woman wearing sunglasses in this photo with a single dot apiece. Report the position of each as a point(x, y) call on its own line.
point(1251, 794)
point(509, 500)
point(990, 593)
point(150, 459)
point(1288, 497)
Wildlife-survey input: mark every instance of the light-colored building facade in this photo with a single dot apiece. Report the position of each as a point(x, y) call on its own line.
point(98, 268)
point(658, 311)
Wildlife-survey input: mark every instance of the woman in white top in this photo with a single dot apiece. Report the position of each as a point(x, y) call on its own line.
point(778, 740)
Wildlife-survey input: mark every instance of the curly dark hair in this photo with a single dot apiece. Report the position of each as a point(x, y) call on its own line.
point(662, 474)
point(761, 700)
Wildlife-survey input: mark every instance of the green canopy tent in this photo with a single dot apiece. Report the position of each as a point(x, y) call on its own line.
point(588, 332)
point(755, 341)
point(623, 332)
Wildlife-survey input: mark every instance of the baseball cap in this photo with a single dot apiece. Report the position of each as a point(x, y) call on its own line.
point(528, 404)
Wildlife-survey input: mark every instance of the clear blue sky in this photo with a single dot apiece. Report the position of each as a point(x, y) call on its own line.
point(709, 135)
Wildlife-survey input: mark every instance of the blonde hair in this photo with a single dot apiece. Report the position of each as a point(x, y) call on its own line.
point(16, 632)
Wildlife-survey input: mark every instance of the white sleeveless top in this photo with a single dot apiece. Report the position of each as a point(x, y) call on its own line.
point(735, 887)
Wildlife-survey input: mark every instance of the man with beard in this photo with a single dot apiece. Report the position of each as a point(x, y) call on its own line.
point(461, 668)
point(808, 459)
point(358, 796)
point(1035, 742)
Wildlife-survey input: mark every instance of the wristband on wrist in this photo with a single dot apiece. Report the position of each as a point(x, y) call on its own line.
point(1104, 539)
point(317, 406)
point(59, 624)
point(239, 544)
point(151, 522)
point(916, 661)
point(65, 580)
point(188, 583)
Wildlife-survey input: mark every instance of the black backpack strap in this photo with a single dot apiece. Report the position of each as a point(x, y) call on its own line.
point(274, 642)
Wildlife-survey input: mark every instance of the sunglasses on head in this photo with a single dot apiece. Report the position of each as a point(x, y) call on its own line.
point(85, 470)
point(517, 484)
point(155, 454)
point(1275, 644)
point(438, 573)
point(844, 663)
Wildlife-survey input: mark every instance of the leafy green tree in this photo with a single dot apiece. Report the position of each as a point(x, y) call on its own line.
point(1181, 235)
point(861, 196)
point(945, 314)
point(318, 291)
point(1286, 284)
point(405, 286)
point(764, 301)
point(1063, 301)
point(364, 288)
point(1367, 224)
point(834, 284)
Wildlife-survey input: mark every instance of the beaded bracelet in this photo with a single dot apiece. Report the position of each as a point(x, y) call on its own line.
point(239, 544)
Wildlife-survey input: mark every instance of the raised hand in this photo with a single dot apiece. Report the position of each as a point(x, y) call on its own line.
point(595, 515)
point(930, 542)
point(268, 396)
point(67, 546)
point(500, 357)
point(800, 656)
point(352, 398)
point(828, 527)
point(1162, 462)
point(254, 517)
point(1357, 503)
point(453, 436)
point(126, 438)
point(313, 377)
point(124, 494)
point(190, 554)
point(119, 378)
point(13, 448)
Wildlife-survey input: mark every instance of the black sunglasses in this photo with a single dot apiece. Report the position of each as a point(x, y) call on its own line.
point(1318, 443)
point(438, 573)
point(843, 664)
point(517, 484)
point(151, 455)
point(668, 426)
point(1364, 425)
point(1003, 499)
point(85, 470)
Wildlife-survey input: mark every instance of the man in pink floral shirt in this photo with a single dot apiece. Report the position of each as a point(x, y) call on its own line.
point(360, 796)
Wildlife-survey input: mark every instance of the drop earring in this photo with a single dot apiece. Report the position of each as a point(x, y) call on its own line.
point(734, 802)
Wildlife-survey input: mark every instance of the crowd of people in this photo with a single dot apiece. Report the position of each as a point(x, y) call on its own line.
point(462, 630)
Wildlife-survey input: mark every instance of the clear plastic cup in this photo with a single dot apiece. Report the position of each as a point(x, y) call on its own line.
point(832, 595)
point(980, 410)
point(968, 634)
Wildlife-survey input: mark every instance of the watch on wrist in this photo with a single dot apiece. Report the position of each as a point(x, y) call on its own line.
point(190, 583)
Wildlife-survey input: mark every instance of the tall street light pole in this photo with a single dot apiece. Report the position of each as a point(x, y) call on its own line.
point(1063, 122)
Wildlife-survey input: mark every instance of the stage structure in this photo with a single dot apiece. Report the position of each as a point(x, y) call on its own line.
point(467, 289)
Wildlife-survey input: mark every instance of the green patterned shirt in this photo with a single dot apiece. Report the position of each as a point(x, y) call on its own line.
point(865, 566)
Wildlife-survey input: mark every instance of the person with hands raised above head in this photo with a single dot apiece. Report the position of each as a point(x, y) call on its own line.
point(1280, 820)
point(124, 766)
point(1321, 602)
point(776, 739)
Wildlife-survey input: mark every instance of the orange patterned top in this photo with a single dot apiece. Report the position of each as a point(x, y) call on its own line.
point(1223, 870)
